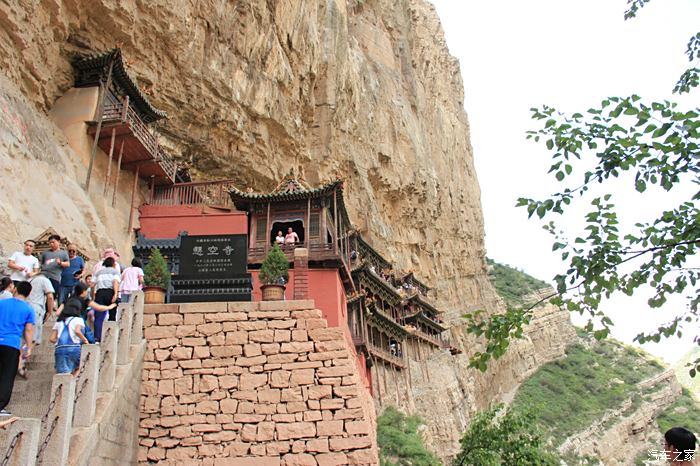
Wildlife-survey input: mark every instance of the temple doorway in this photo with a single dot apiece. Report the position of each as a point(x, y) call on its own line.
point(296, 225)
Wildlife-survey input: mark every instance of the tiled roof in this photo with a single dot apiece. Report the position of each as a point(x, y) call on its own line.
point(160, 243)
point(90, 70)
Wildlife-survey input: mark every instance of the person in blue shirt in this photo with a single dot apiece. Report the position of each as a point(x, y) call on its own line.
point(71, 275)
point(16, 320)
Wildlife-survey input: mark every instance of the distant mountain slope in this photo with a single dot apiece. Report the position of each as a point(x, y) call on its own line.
point(511, 284)
point(606, 402)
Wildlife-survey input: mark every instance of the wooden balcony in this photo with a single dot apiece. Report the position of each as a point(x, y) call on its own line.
point(386, 356)
point(431, 339)
point(140, 142)
point(206, 193)
point(318, 252)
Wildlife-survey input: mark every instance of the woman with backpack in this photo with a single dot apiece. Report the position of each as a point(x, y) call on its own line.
point(68, 336)
point(77, 305)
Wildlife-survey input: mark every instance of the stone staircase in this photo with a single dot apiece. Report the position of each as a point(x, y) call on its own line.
point(87, 419)
point(31, 397)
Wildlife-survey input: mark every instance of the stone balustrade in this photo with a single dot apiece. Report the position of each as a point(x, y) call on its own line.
point(72, 409)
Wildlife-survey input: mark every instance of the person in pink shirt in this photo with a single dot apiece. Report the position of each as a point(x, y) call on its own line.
point(132, 280)
point(109, 252)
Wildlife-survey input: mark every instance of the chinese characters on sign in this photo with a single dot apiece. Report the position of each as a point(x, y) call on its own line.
point(213, 256)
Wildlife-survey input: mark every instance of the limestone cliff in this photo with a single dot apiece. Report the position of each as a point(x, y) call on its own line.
point(362, 89)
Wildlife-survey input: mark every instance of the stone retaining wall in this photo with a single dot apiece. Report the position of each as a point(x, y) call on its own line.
point(251, 383)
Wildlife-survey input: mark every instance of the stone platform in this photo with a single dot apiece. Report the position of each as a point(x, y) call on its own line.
point(251, 383)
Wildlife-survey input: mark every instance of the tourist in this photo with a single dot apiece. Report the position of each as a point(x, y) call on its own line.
point(132, 280)
point(90, 283)
point(109, 252)
point(16, 320)
point(68, 336)
point(54, 261)
point(23, 264)
point(292, 238)
point(41, 298)
point(82, 301)
point(107, 290)
point(279, 239)
point(7, 287)
point(71, 275)
point(680, 446)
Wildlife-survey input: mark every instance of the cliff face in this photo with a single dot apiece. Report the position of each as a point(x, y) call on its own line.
point(362, 89)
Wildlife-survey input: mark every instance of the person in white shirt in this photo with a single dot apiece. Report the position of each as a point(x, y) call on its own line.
point(23, 264)
point(41, 298)
point(279, 239)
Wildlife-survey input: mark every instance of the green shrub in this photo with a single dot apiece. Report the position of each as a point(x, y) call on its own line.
point(274, 267)
point(503, 437)
point(156, 272)
point(399, 441)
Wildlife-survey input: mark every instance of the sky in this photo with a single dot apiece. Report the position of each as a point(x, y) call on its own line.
point(569, 54)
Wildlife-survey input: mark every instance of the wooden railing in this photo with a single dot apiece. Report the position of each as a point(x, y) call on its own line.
point(385, 355)
point(211, 193)
point(428, 337)
point(317, 251)
point(123, 112)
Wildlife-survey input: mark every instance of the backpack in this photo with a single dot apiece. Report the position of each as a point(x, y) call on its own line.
point(64, 338)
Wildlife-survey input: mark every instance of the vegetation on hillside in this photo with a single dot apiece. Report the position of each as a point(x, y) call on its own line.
point(684, 412)
point(502, 437)
point(511, 284)
point(569, 394)
point(399, 442)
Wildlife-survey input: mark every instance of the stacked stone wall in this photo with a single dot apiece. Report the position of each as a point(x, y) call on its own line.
point(251, 383)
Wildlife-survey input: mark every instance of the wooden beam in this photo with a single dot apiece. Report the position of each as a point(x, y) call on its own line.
point(133, 195)
point(109, 163)
point(335, 220)
point(308, 222)
point(267, 230)
point(100, 111)
point(116, 177)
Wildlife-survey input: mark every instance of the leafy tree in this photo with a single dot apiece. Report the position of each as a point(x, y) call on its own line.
point(399, 441)
point(156, 272)
point(503, 436)
point(622, 140)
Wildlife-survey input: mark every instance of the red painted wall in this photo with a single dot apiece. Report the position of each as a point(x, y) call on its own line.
point(167, 221)
point(328, 293)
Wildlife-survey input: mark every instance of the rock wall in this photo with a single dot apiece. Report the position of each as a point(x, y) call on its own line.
point(251, 383)
point(44, 162)
point(627, 431)
point(362, 89)
point(446, 392)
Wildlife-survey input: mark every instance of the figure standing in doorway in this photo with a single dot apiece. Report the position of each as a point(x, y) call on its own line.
point(292, 238)
point(279, 239)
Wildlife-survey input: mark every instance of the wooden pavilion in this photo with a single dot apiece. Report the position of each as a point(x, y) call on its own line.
point(317, 215)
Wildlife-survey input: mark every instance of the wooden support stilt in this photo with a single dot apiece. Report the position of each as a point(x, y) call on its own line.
point(133, 195)
point(116, 176)
point(396, 384)
point(307, 235)
point(109, 163)
point(153, 188)
point(104, 89)
point(267, 230)
point(335, 221)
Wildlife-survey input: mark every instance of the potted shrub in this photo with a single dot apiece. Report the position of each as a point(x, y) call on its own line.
point(273, 275)
point(156, 278)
